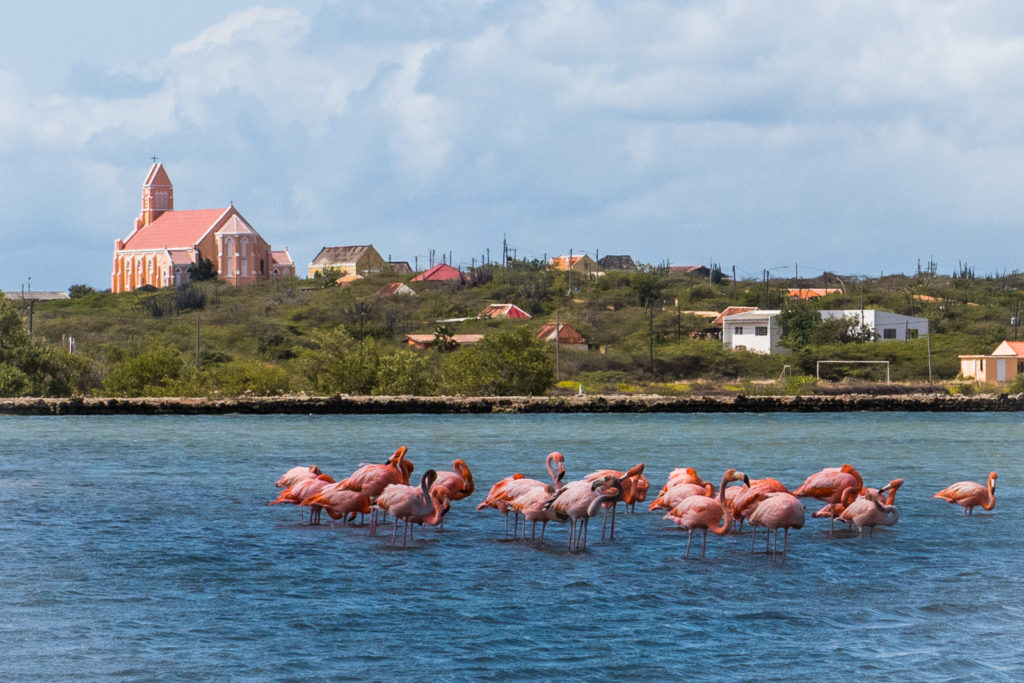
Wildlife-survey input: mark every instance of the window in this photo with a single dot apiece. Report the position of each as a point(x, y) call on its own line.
point(737, 330)
point(889, 333)
point(761, 331)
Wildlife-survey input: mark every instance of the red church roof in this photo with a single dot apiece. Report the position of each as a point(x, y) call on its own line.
point(503, 311)
point(440, 272)
point(175, 229)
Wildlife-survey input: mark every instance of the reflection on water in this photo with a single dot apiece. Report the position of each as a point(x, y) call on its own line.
point(143, 548)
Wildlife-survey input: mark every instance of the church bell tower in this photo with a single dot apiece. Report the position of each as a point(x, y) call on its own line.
point(157, 195)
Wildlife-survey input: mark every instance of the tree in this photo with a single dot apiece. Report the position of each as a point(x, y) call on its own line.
point(158, 369)
point(78, 291)
point(202, 270)
point(509, 363)
point(30, 366)
point(338, 364)
point(798, 320)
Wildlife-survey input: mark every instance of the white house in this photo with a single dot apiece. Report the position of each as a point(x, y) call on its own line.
point(882, 325)
point(757, 331)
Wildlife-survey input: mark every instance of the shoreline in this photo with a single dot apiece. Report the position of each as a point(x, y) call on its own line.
point(606, 403)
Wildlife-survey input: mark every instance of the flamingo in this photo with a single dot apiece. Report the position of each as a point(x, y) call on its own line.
point(459, 482)
point(297, 474)
point(306, 488)
point(828, 486)
point(630, 487)
point(508, 489)
point(681, 475)
point(580, 500)
point(969, 494)
point(700, 512)
point(866, 511)
point(890, 488)
point(670, 498)
point(745, 499)
point(531, 505)
point(340, 504)
point(777, 510)
point(406, 502)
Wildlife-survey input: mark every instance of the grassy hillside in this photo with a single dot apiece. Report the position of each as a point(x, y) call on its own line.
point(269, 338)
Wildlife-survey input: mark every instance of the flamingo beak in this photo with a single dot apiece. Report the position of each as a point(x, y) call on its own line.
point(746, 480)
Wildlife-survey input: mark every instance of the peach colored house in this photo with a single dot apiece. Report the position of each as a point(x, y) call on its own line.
point(580, 263)
point(165, 242)
point(1002, 365)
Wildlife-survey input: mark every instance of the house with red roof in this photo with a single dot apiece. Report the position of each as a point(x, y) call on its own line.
point(442, 272)
point(503, 311)
point(1002, 365)
point(165, 242)
point(567, 337)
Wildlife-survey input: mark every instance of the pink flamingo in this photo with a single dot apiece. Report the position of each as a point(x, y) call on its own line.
point(580, 500)
point(969, 494)
point(630, 489)
point(297, 474)
point(836, 510)
point(340, 504)
point(745, 499)
point(866, 511)
point(459, 483)
point(701, 512)
point(681, 475)
point(828, 486)
point(670, 498)
point(404, 502)
point(777, 510)
point(531, 505)
point(508, 489)
point(299, 492)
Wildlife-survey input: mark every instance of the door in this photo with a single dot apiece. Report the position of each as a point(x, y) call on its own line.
point(1001, 370)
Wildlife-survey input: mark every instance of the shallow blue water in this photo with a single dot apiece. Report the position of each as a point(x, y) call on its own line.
point(142, 548)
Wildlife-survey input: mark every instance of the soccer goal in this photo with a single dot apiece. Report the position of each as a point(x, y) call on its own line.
point(853, 362)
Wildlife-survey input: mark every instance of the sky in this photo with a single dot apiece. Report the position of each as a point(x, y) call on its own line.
point(799, 137)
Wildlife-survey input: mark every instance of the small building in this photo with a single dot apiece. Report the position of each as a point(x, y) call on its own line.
point(396, 289)
point(699, 272)
point(503, 311)
point(756, 331)
point(807, 294)
point(425, 341)
point(400, 267)
point(568, 337)
point(442, 272)
point(578, 263)
point(347, 280)
point(362, 259)
point(613, 262)
point(882, 325)
point(1002, 365)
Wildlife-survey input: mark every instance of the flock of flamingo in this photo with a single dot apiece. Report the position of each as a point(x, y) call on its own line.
point(688, 501)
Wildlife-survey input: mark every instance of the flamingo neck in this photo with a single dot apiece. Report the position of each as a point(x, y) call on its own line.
point(991, 503)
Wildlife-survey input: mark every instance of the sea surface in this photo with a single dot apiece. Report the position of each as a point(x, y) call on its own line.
point(143, 548)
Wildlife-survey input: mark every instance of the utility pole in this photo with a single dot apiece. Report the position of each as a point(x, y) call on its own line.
point(734, 283)
point(197, 342)
point(557, 330)
point(650, 335)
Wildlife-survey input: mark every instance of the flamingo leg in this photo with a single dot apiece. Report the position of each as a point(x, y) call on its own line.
point(611, 536)
point(688, 539)
point(604, 524)
point(704, 546)
point(394, 534)
point(753, 533)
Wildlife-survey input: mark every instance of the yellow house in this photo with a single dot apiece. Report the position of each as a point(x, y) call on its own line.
point(578, 263)
point(1002, 365)
point(358, 260)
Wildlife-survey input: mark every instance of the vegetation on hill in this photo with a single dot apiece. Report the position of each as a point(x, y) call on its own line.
point(645, 328)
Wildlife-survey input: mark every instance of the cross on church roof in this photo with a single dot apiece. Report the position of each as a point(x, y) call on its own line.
point(154, 159)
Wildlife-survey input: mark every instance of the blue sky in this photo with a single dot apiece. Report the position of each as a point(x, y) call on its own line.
point(846, 136)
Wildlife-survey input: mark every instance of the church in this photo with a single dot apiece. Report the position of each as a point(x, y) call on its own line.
point(165, 242)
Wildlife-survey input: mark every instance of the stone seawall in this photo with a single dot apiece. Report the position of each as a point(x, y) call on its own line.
point(354, 405)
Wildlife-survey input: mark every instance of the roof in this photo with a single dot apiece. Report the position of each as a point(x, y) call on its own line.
point(182, 257)
point(428, 339)
point(396, 288)
point(157, 177)
point(710, 315)
point(811, 293)
point(1014, 347)
point(281, 258)
point(615, 262)
point(400, 267)
point(566, 262)
point(175, 230)
point(442, 271)
point(503, 311)
point(676, 270)
point(334, 256)
point(756, 314)
point(567, 334)
point(732, 310)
